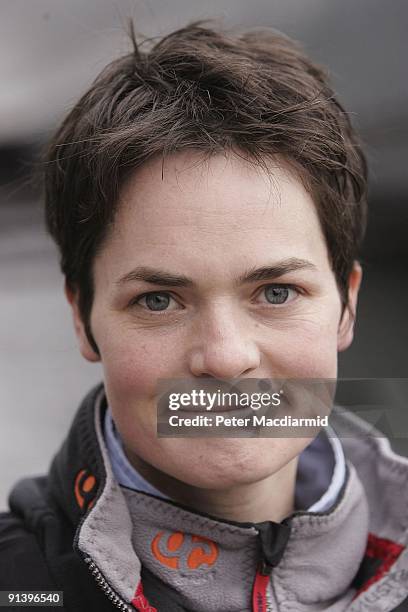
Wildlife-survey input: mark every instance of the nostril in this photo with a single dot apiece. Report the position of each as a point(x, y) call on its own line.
point(224, 365)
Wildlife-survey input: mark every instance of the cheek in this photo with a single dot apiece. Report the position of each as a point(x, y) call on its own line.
point(305, 350)
point(130, 377)
point(133, 362)
point(132, 370)
point(135, 359)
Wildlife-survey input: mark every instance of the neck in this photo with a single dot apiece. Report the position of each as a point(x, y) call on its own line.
point(270, 499)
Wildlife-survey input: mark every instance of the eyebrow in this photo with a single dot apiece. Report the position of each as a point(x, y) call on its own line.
point(168, 279)
point(276, 270)
point(155, 277)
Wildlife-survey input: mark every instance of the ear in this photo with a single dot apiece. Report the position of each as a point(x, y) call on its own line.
point(345, 332)
point(84, 345)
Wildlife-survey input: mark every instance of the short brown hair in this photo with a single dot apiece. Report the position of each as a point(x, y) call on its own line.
point(203, 88)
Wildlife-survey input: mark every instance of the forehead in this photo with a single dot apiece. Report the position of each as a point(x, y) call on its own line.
point(224, 210)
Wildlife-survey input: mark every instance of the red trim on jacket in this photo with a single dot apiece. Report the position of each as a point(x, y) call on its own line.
point(140, 602)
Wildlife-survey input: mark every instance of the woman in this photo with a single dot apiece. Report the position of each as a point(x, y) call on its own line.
point(208, 198)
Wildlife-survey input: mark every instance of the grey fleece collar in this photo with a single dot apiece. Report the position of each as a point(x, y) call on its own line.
point(319, 562)
point(212, 564)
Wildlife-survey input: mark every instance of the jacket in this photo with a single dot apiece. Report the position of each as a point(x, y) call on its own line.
point(108, 547)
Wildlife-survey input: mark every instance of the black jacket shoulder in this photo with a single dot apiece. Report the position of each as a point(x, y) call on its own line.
point(22, 563)
point(36, 550)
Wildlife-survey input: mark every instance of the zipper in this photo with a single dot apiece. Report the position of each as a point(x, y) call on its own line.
point(273, 538)
point(262, 593)
point(104, 585)
point(259, 591)
point(268, 603)
point(268, 595)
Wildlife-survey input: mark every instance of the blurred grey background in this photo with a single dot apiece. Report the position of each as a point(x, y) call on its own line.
point(50, 51)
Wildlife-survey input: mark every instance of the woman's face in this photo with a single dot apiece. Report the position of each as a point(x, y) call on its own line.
point(187, 286)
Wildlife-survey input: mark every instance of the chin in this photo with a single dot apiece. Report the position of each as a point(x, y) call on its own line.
point(231, 465)
point(230, 480)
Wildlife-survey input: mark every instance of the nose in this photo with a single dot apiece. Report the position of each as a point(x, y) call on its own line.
point(224, 347)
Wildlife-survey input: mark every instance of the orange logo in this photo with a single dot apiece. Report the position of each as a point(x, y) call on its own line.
point(183, 551)
point(85, 489)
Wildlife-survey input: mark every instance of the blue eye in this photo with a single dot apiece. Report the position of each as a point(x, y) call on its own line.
point(279, 294)
point(276, 294)
point(156, 301)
